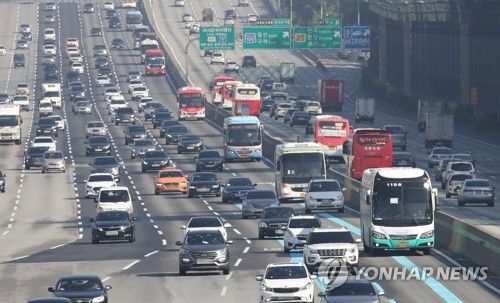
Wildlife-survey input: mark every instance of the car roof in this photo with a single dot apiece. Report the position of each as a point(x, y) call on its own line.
point(79, 277)
point(330, 229)
point(304, 217)
point(204, 173)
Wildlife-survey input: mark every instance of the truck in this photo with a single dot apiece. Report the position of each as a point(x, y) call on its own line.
point(10, 123)
point(439, 130)
point(331, 94)
point(287, 72)
point(365, 110)
point(52, 92)
point(278, 92)
point(429, 107)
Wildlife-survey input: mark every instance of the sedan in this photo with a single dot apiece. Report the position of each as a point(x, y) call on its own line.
point(49, 18)
point(101, 80)
point(96, 31)
point(288, 115)
point(273, 221)
point(173, 133)
point(134, 132)
point(236, 188)
point(353, 289)
point(299, 118)
point(170, 180)
point(117, 43)
point(232, 67)
point(82, 107)
point(141, 146)
point(33, 157)
point(202, 184)
point(106, 164)
point(22, 44)
point(101, 62)
point(113, 225)
point(98, 145)
point(95, 182)
point(53, 160)
point(155, 160)
point(256, 200)
point(403, 159)
point(160, 117)
point(85, 288)
point(209, 160)
point(166, 124)
point(189, 143)
point(476, 191)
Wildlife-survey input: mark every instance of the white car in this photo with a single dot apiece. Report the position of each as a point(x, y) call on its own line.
point(75, 58)
point(49, 49)
point(243, 3)
point(187, 17)
point(232, 67)
point(206, 223)
point(97, 181)
point(286, 280)
point(48, 58)
point(143, 101)
point(114, 104)
point(95, 128)
point(72, 42)
point(72, 50)
point(228, 21)
point(44, 141)
point(101, 80)
point(437, 154)
point(281, 110)
point(110, 92)
point(49, 34)
point(139, 91)
point(297, 230)
point(50, 6)
point(218, 57)
point(313, 108)
point(134, 75)
point(251, 18)
point(179, 3)
point(108, 5)
point(3, 50)
point(189, 23)
point(324, 194)
point(77, 67)
point(134, 83)
point(61, 123)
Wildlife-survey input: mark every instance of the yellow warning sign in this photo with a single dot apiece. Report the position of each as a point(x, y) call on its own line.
point(473, 96)
point(300, 37)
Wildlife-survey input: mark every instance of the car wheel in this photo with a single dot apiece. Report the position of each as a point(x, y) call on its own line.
point(426, 251)
point(179, 151)
point(182, 272)
point(157, 192)
point(224, 199)
point(43, 171)
point(190, 195)
point(491, 204)
point(27, 167)
point(244, 216)
point(95, 241)
point(261, 235)
point(132, 239)
point(143, 169)
point(221, 169)
point(225, 271)
point(285, 249)
point(448, 195)
point(291, 124)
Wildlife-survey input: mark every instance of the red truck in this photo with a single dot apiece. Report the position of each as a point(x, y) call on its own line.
point(331, 94)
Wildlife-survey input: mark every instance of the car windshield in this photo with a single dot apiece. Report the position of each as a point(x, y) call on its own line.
point(53, 155)
point(352, 289)
point(120, 195)
point(79, 285)
point(239, 182)
point(125, 110)
point(154, 105)
point(43, 140)
point(136, 129)
point(395, 130)
point(286, 272)
point(105, 161)
point(155, 154)
point(101, 178)
point(477, 183)
point(278, 212)
point(203, 239)
point(98, 140)
point(330, 237)
point(143, 143)
point(48, 121)
point(460, 177)
point(204, 177)
point(442, 151)
point(209, 154)
point(112, 216)
point(264, 194)
point(177, 130)
point(37, 150)
point(82, 103)
point(95, 124)
point(189, 139)
point(324, 186)
point(170, 174)
point(304, 223)
point(204, 222)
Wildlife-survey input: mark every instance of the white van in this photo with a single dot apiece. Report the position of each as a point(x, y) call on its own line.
point(49, 34)
point(114, 198)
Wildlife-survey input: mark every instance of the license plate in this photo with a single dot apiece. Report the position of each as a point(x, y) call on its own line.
point(209, 165)
point(402, 162)
point(279, 231)
point(202, 190)
point(7, 138)
point(302, 195)
point(326, 203)
point(204, 261)
point(171, 186)
point(112, 233)
point(155, 165)
point(98, 149)
point(332, 147)
point(190, 147)
point(402, 244)
point(244, 156)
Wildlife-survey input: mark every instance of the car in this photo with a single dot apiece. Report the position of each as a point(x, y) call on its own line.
point(297, 230)
point(139, 92)
point(364, 55)
point(48, 59)
point(324, 194)
point(281, 110)
point(106, 164)
point(75, 57)
point(77, 67)
point(189, 23)
point(437, 154)
point(19, 60)
point(4, 98)
point(100, 50)
point(26, 36)
point(208, 53)
point(288, 115)
point(3, 50)
point(403, 159)
point(189, 143)
point(203, 184)
point(24, 28)
point(22, 44)
point(252, 18)
point(173, 133)
point(123, 115)
point(134, 132)
point(248, 61)
point(150, 108)
point(209, 159)
point(476, 191)
point(266, 104)
point(108, 5)
point(23, 101)
point(111, 92)
point(96, 181)
point(101, 62)
point(463, 157)
point(134, 75)
point(272, 110)
point(49, 34)
point(134, 83)
point(159, 117)
point(231, 67)
point(117, 43)
point(230, 13)
point(301, 103)
point(331, 243)
point(53, 160)
point(47, 127)
point(166, 124)
point(194, 29)
point(141, 146)
point(88, 288)
point(49, 300)
point(243, 3)
point(50, 72)
point(170, 179)
point(351, 289)
point(256, 200)
point(313, 108)
point(49, 49)
point(2, 182)
point(115, 22)
point(72, 42)
point(299, 118)
point(101, 80)
point(454, 167)
point(88, 8)
point(82, 107)
point(33, 156)
point(207, 14)
point(113, 225)
point(455, 182)
point(187, 17)
point(50, 6)
point(204, 250)
point(116, 102)
point(142, 103)
point(77, 92)
point(235, 189)
point(218, 57)
point(290, 279)
point(398, 135)
point(440, 168)
point(274, 220)
point(70, 51)
point(49, 18)
point(228, 21)
point(179, 3)
point(105, 71)
point(154, 160)
point(71, 77)
point(262, 79)
point(98, 145)
point(95, 128)
point(206, 223)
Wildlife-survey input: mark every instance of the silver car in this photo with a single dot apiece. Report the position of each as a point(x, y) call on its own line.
point(53, 160)
point(437, 154)
point(476, 191)
point(256, 200)
point(82, 107)
point(141, 146)
point(455, 182)
point(95, 128)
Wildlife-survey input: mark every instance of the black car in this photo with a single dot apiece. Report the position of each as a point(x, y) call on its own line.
point(204, 183)
point(135, 132)
point(88, 8)
point(273, 220)
point(154, 160)
point(266, 104)
point(46, 127)
point(235, 189)
point(189, 143)
point(76, 91)
point(96, 31)
point(403, 159)
point(105, 71)
point(27, 36)
point(160, 117)
point(288, 114)
point(98, 145)
point(209, 159)
point(2, 182)
point(19, 60)
point(115, 22)
point(249, 61)
point(124, 115)
point(158, 110)
point(50, 71)
point(299, 118)
point(101, 62)
point(273, 109)
point(173, 132)
point(208, 53)
point(33, 157)
point(111, 13)
point(106, 164)
point(352, 289)
point(72, 76)
point(203, 250)
point(230, 13)
point(4, 98)
point(117, 43)
point(165, 124)
point(113, 225)
point(81, 288)
point(300, 104)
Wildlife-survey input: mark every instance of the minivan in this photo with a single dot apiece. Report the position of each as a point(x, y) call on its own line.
point(114, 198)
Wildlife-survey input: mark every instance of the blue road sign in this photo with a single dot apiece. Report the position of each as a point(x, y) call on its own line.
point(357, 37)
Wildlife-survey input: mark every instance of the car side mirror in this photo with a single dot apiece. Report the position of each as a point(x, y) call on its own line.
point(344, 189)
point(108, 287)
point(381, 293)
point(91, 220)
point(51, 289)
point(358, 240)
point(255, 184)
point(314, 276)
point(178, 243)
point(259, 278)
point(229, 242)
point(90, 164)
point(183, 227)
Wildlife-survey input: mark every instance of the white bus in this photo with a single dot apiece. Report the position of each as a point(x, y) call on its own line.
point(295, 165)
point(397, 209)
point(242, 138)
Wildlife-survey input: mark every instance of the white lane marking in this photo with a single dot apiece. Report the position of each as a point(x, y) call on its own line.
point(131, 264)
point(248, 240)
point(151, 253)
point(246, 249)
point(106, 279)
point(229, 275)
point(18, 258)
point(57, 246)
point(216, 213)
point(237, 263)
point(237, 231)
point(223, 292)
point(210, 208)
point(164, 242)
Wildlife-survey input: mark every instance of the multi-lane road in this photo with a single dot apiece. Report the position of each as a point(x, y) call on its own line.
point(44, 228)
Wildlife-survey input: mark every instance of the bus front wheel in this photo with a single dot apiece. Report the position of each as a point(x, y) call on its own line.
point(426, 251)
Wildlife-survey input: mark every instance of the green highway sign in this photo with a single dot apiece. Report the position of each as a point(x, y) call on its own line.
point(330, 22)
point(317, 37)
point(281, 22)
point(273, 22)
point(266, 38)
point(216, 37)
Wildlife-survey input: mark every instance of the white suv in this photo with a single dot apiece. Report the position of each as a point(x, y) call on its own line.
point(330, 243)
point(313, 108)
point(297, 230)
point(218, 57)
point(290, 280)
point(324, 194)
point(457, 167)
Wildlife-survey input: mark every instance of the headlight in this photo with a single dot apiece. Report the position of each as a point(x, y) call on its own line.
point(263, 225)
point(285, 190)
point(313, 251)
point(192, 187)
point(222, 252)
point(307, 286)
point(427, 235)
point(99, 299)
point(378, 235)
point(265, 288)
point(215, 186)
point(144, 162)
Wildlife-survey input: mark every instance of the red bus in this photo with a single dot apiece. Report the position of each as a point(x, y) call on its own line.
point(155, 62)
point(367, 148)
point(330, 132)
point(191, 102)
point(246, 100)
point(227, 93)
point(215, 87)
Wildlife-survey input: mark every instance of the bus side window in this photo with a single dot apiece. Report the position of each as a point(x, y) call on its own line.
point(367, 196)
point(278, 165)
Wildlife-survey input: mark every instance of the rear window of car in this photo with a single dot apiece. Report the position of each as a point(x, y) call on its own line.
point(462, 167)
point(477, 183)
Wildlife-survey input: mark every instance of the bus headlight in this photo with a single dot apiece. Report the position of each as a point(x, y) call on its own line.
point(378, 235)
point(427, 235)
point(286, 190)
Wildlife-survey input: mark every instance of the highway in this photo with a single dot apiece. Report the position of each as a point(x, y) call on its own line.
point(44, 218)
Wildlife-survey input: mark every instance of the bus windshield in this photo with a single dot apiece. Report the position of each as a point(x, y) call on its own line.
point(402, 202)
point(191, 100)
point(301, 168)
point(134, 19)
point(155, 61)
point(244, 135)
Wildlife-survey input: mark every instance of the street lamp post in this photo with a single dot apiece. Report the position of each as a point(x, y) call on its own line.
point(359, 16)
point(321, 9)
point(186, 66)
point(291, 13)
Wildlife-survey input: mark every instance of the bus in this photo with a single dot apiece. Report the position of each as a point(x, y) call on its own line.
point(242, 138)
point(367, 148)
point(330, 132)
point(246, 96)
point(295, 165)
point(133, 19)
point(215, 87)
point(397, 210)
point(147, 45)
point(144, 36)
point(227, 93)
point(155, 62)
point(191, 102)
